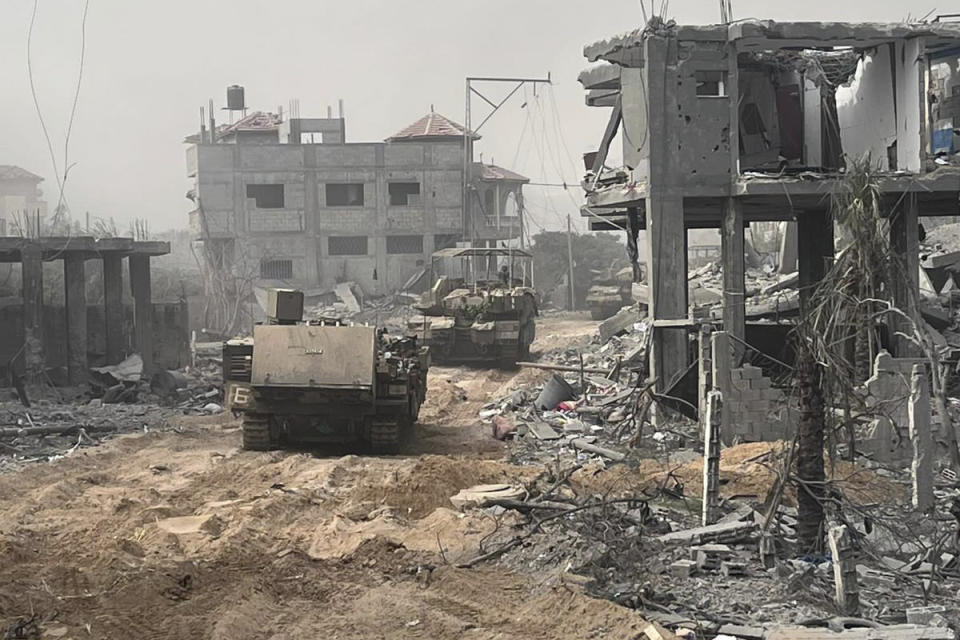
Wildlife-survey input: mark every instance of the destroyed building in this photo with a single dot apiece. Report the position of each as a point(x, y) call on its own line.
point(55, 332)
point(724, 125)
point(20, 198)
point(295, 202)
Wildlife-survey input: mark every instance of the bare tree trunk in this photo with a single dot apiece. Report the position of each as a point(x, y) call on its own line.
point(810, 454)
point(939, 375)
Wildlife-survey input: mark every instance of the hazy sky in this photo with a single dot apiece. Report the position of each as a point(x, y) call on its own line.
point(150, 66)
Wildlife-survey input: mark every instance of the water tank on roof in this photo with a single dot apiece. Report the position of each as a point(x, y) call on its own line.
point(235, 99)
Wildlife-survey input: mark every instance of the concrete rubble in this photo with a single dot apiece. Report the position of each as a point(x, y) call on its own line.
point(646, 547)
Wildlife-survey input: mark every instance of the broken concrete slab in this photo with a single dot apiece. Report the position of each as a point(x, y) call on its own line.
point(543, 431)
point(484, 494)
point(618, 324)
point(130, 370)
point(893, 632)
point(726, 532)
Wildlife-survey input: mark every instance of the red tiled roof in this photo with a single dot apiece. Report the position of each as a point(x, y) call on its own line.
point(432, 125)
point(255, 121)
point(11, 172)
point(493, 172)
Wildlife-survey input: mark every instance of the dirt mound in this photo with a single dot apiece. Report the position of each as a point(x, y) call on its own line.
point(427, 485)
point(746, 471)
point(445, 400)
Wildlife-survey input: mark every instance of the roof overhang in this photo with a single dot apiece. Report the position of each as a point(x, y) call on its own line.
point(483, 252)
point(627, 50)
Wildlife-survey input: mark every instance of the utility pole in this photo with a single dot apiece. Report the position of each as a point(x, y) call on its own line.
point(573, 297)
point(468, 133)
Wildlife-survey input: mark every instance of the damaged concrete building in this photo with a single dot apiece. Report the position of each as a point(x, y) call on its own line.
point(725, 125)
point(55, 332)
point(291, 201)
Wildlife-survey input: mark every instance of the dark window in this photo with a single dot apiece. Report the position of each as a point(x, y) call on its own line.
point(345, 195)
point(445, 240)
point(268, 196)
point(276, 269)
point(404, 244)
point(347, 245)
point(711, 83)
point(404, 194)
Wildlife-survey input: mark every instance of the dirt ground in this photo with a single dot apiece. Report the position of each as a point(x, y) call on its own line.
point(180, 534)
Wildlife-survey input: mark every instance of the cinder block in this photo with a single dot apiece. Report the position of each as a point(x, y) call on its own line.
point(924, 615)
point(749, 372)
point(760, 383)
point(683, 568)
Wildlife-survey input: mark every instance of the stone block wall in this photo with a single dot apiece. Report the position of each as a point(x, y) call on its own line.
point(758, 412)
point(753, 410)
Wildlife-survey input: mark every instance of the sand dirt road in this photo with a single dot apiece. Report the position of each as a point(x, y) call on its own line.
point(180, 534)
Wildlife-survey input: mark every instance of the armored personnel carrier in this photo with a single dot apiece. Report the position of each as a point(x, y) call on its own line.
point(297, 383)
point(481, 309)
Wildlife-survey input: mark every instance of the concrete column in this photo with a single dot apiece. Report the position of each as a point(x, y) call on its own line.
point(705, 377)
point(142, 310)
point(814, 249)
point(666, 235)
point(113, 306)
point(734, 287)
point(905, 243)
point(922, 440)
point(31, 264)
point(844, 571)
point(788, 247)
point(75, 294)
point(667, 276)
point(721, 379)
point(711, 459)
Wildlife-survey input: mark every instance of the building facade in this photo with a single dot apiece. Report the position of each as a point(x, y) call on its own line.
point(724, 125)
point(290, 201)
point(21, 201)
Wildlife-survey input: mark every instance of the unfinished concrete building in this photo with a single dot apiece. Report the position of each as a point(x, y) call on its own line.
point(291, 201)
point(724, 125)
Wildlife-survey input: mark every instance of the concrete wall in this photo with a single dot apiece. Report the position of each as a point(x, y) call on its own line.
point(704, 121)
point(873, 116)
point(866, 111)
point(170, 329)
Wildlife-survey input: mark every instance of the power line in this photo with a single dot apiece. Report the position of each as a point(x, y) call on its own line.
point(36, 101)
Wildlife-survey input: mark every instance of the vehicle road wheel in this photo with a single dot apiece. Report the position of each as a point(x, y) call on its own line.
point(256, 432)
point(384, 437)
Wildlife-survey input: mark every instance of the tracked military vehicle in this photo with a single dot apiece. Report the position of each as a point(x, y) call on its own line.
point(317, 383)
point(609, 293)
point(481, 309)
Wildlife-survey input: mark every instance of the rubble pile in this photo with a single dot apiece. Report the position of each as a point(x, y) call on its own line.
point(52, 429)
point(346, 302)
point(195, 389)
point(43, 423)
point(618, 512)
